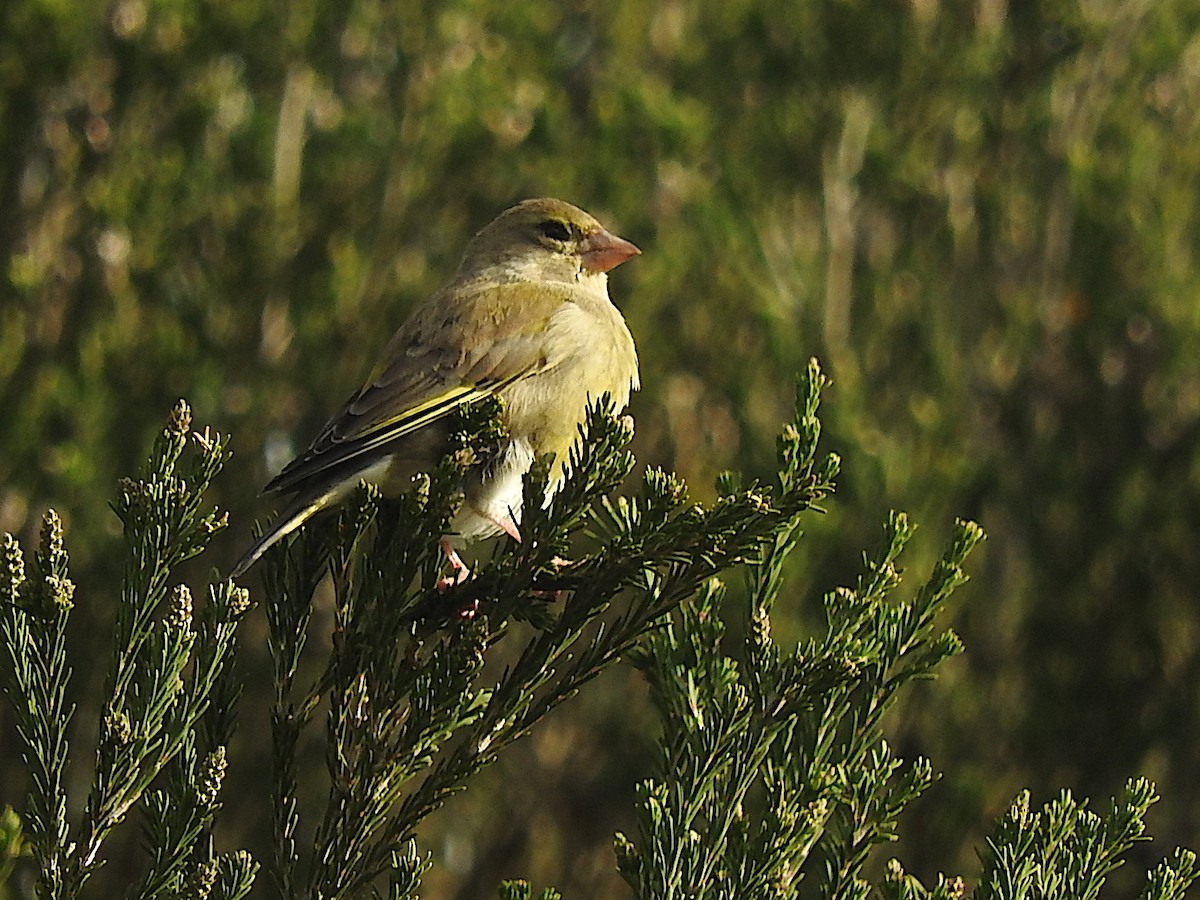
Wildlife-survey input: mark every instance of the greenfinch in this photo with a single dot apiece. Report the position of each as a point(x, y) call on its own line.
point(527, 318)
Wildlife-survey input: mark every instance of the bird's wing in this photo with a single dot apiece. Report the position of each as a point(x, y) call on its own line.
point(459, 347)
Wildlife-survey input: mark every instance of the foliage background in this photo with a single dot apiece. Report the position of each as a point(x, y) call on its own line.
point(982, 217)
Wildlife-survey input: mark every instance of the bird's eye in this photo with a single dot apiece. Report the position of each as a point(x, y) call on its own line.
point(554, 230)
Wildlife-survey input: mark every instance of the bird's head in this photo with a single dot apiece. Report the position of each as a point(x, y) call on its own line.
point(546, 240)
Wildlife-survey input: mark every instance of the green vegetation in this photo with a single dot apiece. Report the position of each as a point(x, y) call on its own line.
point(774, 771)
point(981, 217)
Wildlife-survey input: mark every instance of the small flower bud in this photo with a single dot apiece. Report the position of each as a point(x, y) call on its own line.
point(212, 773)
point(58, 595)
point(180, 421)
point(237, 603)
point(118, 730)
point(52, 537)
point(1019, 810)
point(179, 614)
point(972, 530)
point(14, 569)
point(761, 627)
point(201, 882)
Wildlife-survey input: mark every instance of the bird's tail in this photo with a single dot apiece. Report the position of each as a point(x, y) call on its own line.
point(295, 514)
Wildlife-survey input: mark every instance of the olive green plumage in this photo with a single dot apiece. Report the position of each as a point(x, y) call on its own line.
point(527, 317)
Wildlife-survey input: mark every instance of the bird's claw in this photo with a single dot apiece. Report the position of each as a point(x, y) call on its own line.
point(459, 572)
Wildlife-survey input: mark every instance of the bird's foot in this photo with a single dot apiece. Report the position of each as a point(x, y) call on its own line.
point(458, 569)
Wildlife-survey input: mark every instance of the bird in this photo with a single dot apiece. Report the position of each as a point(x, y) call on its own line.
point(526, 318)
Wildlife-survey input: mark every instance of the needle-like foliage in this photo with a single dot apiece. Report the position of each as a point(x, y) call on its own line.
point(167, 706)
point(773, 778)
point(413, 712)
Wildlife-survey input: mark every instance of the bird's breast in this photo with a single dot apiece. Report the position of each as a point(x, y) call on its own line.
point(589, 352)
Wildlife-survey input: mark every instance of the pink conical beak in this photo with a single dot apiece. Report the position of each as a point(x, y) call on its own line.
point(603, 251)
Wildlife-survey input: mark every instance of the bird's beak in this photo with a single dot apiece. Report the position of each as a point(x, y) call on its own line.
point(603, 251)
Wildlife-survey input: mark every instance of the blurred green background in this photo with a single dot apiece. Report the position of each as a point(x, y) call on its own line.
point(981, 216)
